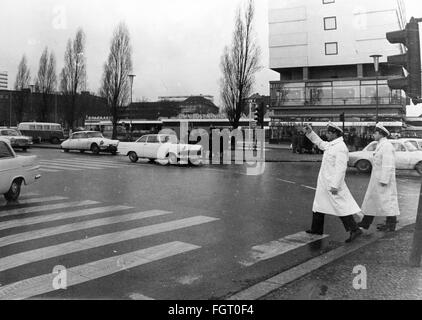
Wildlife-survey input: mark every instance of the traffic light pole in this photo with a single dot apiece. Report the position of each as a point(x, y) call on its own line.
point(415, 256)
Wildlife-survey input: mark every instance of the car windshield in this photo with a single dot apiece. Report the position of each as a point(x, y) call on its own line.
point(95, 135)
point(410, 146)
point(10, 133)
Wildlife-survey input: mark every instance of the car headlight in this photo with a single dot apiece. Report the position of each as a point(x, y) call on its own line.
point(101, 143)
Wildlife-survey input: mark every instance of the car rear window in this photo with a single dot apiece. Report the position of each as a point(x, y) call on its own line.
point(153, 139)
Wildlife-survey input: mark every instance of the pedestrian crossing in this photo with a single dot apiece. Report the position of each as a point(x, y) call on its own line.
point(78, 164)
point(59, 217)
point(49, 229)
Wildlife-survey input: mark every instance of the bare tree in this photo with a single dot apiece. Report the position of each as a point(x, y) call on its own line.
point(239, 63)
point(21, 83)
point(115, 86)
point(73, 74)
point(46, 81)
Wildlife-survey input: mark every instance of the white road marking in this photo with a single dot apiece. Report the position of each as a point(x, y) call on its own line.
point(89, 163)
point(286, 181)
point(99, 161)
point(77, 226)
point(278, 247)
point(48, 170)
point(48, 166)
point(307, 187)
point(65, 165)
point(59, 216)
point(138, 296)
point(83, 273)
point(63, 205)
point(62, 249)
point(34, 200)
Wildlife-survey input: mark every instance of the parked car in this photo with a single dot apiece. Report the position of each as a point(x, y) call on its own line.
point(90, 141)
point(16, 139)
point(415, 141)
point(162, 147)
point(407, 156)
point(42, 131)
point(15, 171)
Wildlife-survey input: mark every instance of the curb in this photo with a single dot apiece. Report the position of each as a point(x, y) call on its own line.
point(278, 281)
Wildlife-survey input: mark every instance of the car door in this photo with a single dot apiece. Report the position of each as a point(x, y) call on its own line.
point(153, 144)
point(141, 147)
point(8, 167)
point(402, 156)
point(84, 141)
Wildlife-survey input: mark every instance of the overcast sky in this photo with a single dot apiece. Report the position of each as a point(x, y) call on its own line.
point(177, 44)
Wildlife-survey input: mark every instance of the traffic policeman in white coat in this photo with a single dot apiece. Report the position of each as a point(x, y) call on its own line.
point(381, 196)
point(332, 196)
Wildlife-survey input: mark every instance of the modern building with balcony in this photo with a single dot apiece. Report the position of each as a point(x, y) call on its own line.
point(322, 50)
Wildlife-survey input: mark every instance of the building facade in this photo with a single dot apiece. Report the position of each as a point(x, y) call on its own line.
point(3, 80)
point(322, 49)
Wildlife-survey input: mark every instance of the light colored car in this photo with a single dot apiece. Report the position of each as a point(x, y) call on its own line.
point(90, 141)
point(415, 141)
point(15, 171)
point(17, 140)
point(161, 147)
point(408, 157)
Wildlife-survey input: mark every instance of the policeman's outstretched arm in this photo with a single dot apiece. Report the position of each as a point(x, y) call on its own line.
point(311, 135)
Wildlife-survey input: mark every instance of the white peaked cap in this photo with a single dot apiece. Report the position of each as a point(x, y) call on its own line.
point(332, 125)
point(381, 127)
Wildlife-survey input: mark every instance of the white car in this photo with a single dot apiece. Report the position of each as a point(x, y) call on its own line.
point(15, 171)
point(415, 141)
point(90, 141)
point(161, 147)
point(408, 157)
point(17, 140)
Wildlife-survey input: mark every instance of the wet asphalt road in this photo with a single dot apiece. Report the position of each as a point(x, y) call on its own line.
point(241, 212)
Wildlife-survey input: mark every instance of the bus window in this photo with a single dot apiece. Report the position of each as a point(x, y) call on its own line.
point(46, 127)
point(38, 127)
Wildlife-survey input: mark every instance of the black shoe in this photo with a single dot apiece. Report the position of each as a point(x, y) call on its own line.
point(363, 226)
point(386, 227)
point(354, 235)
point(315, 233)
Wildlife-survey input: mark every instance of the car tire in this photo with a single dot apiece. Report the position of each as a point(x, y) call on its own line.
point(24, 149)
point(364, 166)
point(418, 167)
point(114, 153)
point(172, 158)
point(95, 149)
point(133, 157)
point(65, 150)
point(14, 191)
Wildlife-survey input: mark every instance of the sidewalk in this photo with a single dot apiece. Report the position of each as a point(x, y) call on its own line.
point(389, 276)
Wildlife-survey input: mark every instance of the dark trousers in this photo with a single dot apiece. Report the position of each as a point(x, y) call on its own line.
point(368, 220)
point(318, 223)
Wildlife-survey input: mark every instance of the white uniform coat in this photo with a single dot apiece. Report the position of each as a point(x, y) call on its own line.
point(382, 200)
point(331, 175)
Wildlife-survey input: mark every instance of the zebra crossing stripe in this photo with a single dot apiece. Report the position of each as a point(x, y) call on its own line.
point(59, 216)
point(77, 226)
point(94, 270)
point(35, 200)
point(48, 170)
point(22, 258)
point(63, 205)
point(278, 247)
point(94, 161)
point(89, 163)
point(65, 165)
point(48, 166)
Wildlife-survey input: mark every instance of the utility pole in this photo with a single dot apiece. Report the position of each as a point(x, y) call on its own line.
point(10, 109)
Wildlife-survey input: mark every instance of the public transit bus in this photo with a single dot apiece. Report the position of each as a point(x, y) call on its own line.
point(42, 131)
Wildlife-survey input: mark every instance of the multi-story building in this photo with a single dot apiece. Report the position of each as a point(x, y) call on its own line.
point(3, 80)
point(322, 50)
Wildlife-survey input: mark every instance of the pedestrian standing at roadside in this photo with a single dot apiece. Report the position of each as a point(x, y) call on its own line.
point(332, 196)
point(381, 196)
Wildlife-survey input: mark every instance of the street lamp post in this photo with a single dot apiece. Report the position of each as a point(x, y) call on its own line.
point(376, 58)
point(131, 76)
